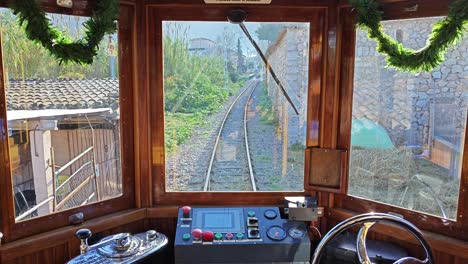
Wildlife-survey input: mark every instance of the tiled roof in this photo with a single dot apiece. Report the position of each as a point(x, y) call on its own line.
point(35, 94)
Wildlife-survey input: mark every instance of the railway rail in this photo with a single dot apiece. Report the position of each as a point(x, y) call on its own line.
point(230, 167)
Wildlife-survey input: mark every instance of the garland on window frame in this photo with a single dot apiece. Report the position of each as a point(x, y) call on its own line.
point(445, 33)
point(39, 29)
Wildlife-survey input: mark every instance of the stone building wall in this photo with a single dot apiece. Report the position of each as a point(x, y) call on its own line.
point(408, 105)
point(288, 56)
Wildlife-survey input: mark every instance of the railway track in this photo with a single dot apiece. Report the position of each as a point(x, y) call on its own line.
point(230, 167)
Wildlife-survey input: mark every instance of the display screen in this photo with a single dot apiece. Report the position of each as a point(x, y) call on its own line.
point(218, 220)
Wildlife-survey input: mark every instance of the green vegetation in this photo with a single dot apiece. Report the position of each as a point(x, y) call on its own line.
point(240, 58)
point(384, 175)
point(297, 147)
point(267, 112)
point(25, 59)
point(179, 127)
point(269, 31)
point(195, 85)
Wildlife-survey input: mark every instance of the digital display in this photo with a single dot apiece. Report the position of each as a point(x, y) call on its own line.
point(218, 220)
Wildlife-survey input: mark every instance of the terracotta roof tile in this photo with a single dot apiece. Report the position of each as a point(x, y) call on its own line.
point(35, 94)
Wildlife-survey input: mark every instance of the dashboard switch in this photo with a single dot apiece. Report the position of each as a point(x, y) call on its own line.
point(208, 236)
point(197, 234)
point(186, 211)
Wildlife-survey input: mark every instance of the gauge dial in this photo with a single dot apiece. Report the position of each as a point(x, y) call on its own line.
point(276, 233)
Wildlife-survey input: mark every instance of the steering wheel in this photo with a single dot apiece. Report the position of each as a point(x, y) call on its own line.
point(367, 221)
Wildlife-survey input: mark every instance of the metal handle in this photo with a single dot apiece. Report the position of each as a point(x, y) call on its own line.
point(1, 236)
point(370, 219)
point(83, 235)
point(122, 242)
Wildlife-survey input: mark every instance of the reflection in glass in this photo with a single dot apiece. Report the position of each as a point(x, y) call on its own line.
point(408, 129)
point(63, 122)
point(228, 127)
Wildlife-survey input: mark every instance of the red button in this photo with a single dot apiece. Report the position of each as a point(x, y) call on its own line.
point(208, 236)
point(186, 211)
point(229, 236)
point(197, 234)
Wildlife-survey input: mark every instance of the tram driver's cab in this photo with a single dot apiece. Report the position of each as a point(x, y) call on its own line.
point(216, 131)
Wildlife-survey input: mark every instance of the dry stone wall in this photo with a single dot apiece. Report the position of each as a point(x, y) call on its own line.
point(288, 56)
point(411, 107)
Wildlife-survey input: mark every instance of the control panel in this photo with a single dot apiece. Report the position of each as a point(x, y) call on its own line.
point(239, 235)
point(122, 248)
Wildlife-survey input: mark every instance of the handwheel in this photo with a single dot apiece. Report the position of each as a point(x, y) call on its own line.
point(368, 220)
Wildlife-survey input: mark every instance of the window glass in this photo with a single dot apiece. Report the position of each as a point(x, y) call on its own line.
point(408, 129)
point(63, 122)
point(228, 126)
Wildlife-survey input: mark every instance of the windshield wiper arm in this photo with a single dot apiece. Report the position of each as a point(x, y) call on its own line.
point(238, 17)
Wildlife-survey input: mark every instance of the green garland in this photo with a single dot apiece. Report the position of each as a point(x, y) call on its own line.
point(39, 29)
point(445, 33)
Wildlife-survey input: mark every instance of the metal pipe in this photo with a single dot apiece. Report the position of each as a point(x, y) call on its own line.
point(374, 217)
point(28, 212)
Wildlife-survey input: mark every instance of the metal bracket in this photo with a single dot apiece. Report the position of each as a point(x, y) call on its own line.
point(65, 3)
point(411, 8)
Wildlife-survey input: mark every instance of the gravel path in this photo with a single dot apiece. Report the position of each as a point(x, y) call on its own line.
point(186, 167)
point(275, 168)
point(230, 170)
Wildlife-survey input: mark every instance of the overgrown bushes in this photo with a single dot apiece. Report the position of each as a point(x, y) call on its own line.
point(195, 85)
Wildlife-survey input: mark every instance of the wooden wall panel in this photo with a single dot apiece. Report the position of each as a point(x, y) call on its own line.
point(62, 252)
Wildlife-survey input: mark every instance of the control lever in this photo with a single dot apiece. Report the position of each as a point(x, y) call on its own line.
point(124, 247)
point(122, 242)
point(83, 235)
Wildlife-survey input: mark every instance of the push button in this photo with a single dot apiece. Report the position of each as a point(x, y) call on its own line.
point(186, 211)
point(197, 234)
point(208, 236)
point(240, 236)
point(229, 236)
point(270, 214)
point(186, 236)
point(218, 236)
point(251, 213)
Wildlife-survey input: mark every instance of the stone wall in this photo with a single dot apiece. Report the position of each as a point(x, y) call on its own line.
point(288, 57)
point(411, 107)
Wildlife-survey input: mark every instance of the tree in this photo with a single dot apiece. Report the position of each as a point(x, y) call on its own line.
point(269, 32)
point(24, 59)
point(240, 58)
point(233, 74)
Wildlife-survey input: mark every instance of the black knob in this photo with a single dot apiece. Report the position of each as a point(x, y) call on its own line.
point(83, 233)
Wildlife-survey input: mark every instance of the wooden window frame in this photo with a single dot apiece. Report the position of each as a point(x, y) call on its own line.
point(393, 10)
point(15, 230)
point(156, 13)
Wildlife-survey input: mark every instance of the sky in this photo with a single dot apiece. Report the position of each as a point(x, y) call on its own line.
point(216, 30)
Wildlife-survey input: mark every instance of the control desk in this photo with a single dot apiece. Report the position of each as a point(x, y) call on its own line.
point(239, 235)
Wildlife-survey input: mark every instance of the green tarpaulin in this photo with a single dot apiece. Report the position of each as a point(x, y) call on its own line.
point(368, 134)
